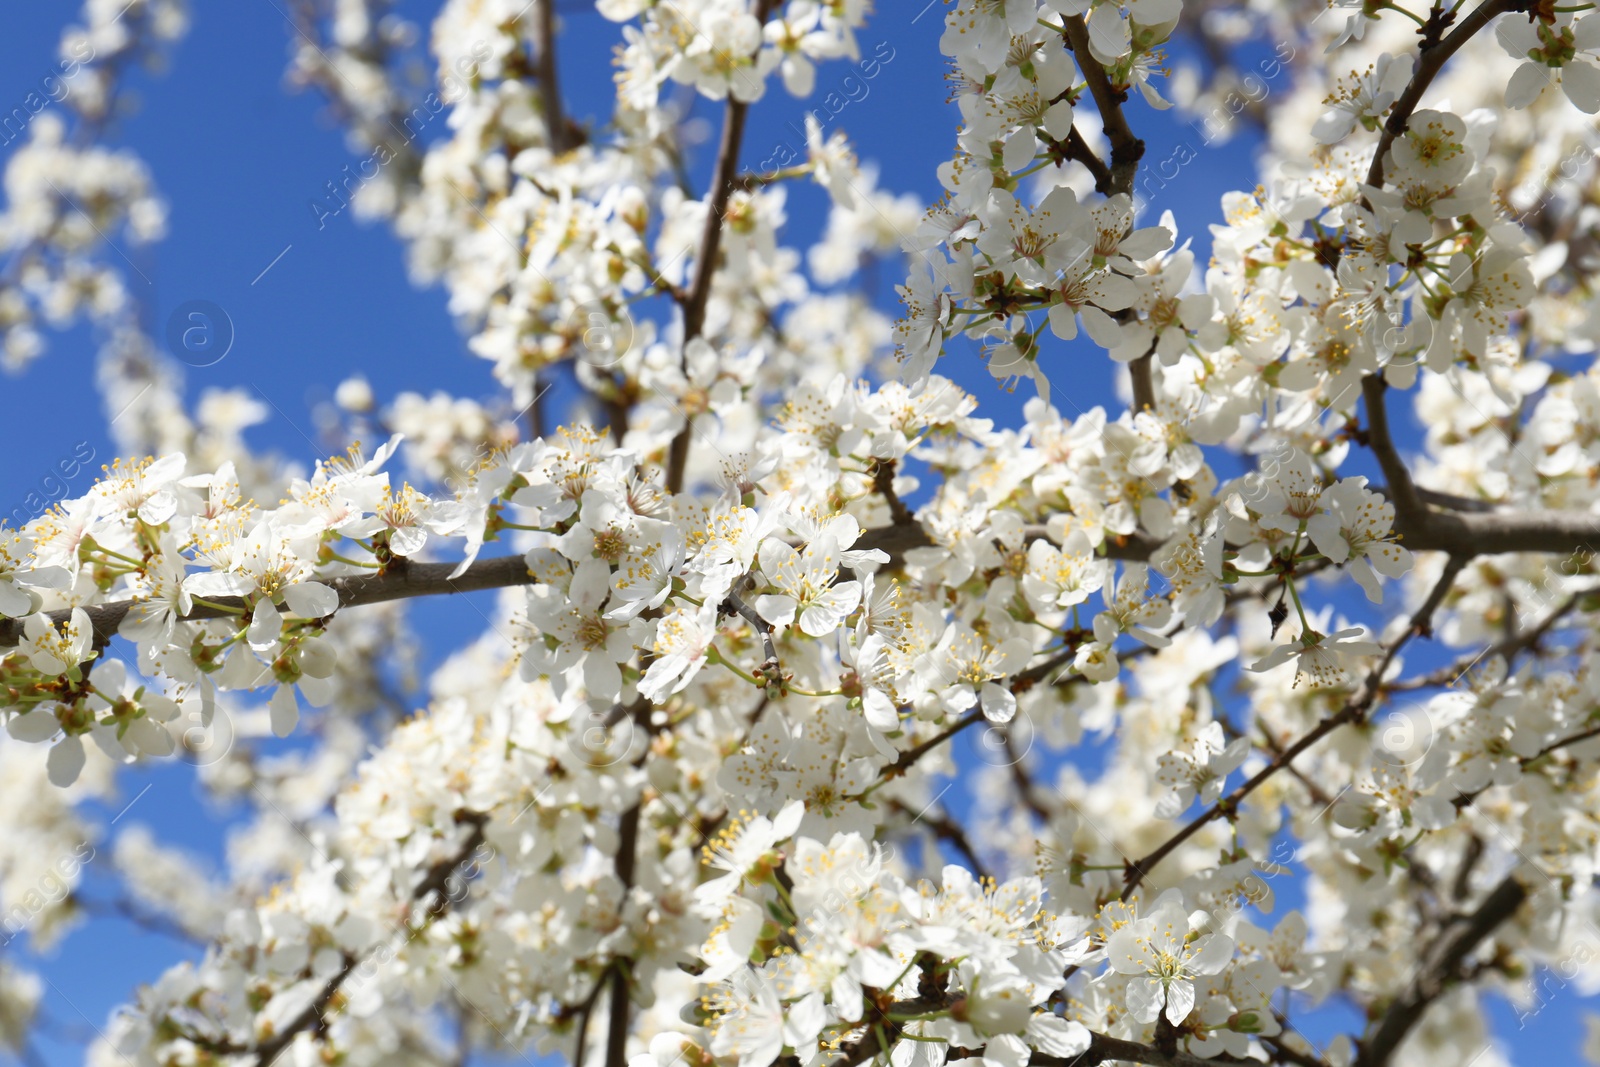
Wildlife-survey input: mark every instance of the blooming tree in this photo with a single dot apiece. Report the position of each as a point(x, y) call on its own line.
point(682, 801)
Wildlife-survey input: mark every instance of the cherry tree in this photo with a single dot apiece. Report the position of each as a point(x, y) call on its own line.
point(771, 572)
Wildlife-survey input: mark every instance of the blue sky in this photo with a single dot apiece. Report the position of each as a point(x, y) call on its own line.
point(240, 159)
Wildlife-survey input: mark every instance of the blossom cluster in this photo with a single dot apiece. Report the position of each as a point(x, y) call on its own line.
point(767, 587)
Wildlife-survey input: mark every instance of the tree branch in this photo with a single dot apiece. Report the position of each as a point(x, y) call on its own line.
point(1126, 151)
point(1431, 58)
point(1103, 1048)
point(1462, 800)
point(403, 580)
point(1353, 711)
point(549, 85)
point(433, 881)
point(619, 1005)
point(725, 180)
point(1282, 1053)
point(1438, 973)
point(945, 828)
point(399, 582)
point(1465, 535)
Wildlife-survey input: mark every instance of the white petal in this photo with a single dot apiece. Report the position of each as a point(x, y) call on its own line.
point(1527, 82)
point(1180, 1000)
point(65, 761)
point(1063, 322)
point(1144, 999)
point(776, 608)
point(1020, 149)
point(1212, 954)
point(34, 726)
point(311, 600)
point(284, 711)
point(1102, 328)
point(149, 738)
point(1058, 120)
point(1327, 536)
point(999, 705)
point(1581, 82)
point(1276, 658)
point(1056, 1036)
point(265, 626)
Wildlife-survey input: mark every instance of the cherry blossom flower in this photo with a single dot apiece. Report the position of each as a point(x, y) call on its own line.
point(1164, 956)
point(1559, 53)
point(741, 847)
point(682, 641)
point(967, 666)
point(808, 593)
point(1201, 771)
point(1360, 538)
point(1363, 99)
point(1321, 659)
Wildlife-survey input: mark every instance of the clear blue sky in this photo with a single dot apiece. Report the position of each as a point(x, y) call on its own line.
point(239, 160)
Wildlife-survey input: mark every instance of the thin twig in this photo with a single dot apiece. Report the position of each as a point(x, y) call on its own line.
point(433, 882)
point(549, 84)
point(1461, 534)
point(940, 823)
point(1431, 58)
point(1439, 972)
point(1353, 711)
point(725, 180)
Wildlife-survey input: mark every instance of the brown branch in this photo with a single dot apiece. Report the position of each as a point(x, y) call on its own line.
point(403, 580)
point(400, 581)
point(536, 418)
point(1142, 378)
point(1020, 779)
point(1462, 800)
point(311, 1015)
point(945, 828)
point(1462, 883)
point(434, 881)
point(883, 472)
point(549, 84)
point(1449, 501)
point(1441, 968)
point(1078, 149)
point(725, 180)
point(1103, 1048)
point(1126, 151)
point(585, 1013)
point(1508, 648)
point(1318, 795)
point(1282, 1053)
point(1353, 711)
point(1431, 58)
point(898, 539)
point(910, 756)
point(619, 1005)
point(1138, 870)
point(770, 671)
point(1465, 535)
